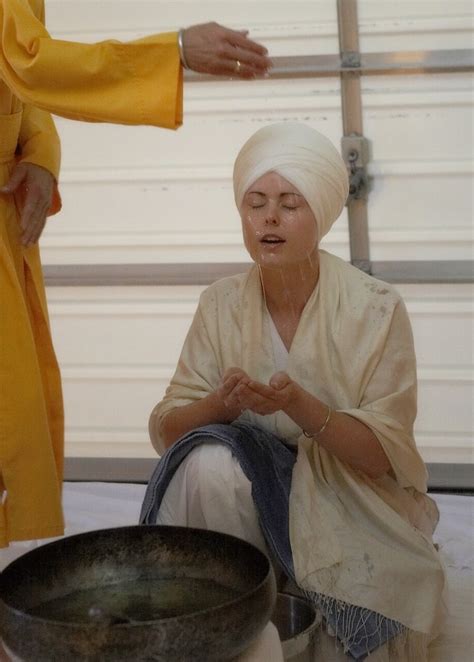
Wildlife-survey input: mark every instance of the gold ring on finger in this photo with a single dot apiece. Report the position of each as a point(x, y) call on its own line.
point(238, 66)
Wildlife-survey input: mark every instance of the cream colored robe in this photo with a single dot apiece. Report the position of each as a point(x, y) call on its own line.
point(353, 539)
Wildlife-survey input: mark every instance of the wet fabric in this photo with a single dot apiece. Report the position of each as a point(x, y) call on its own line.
point(305, 158)
point(360, 541)
point(268, 464)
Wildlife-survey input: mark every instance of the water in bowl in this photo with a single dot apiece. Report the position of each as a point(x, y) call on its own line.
point(135, 601)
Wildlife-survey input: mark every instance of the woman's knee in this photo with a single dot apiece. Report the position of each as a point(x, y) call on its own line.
point(209, 461)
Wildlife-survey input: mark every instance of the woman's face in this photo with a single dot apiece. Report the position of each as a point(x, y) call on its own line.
point(278, 225)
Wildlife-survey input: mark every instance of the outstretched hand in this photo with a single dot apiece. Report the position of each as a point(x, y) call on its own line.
point(239, 393)
point(213, 49)
point(33, 188)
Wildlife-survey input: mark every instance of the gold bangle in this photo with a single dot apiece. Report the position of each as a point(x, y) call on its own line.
point(311, 435)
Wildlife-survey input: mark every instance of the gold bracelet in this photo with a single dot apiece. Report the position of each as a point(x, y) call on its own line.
point(311, 435)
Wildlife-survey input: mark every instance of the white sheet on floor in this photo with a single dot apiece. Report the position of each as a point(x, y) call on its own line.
point(89, 506)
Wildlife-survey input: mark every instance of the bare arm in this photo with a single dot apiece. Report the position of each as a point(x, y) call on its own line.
point(214, 408)
point(33, 187)
point(183, 419)
point(345, 437)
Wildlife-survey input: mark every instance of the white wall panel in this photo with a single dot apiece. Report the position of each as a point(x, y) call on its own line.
point(289, 28)
point(116, 198)
point(121, 327)
point(413, 26)
point(148, 195)
point(443, 329)
point(285, 29)
point(150, 220)
point(118, 348)
point(123, 187)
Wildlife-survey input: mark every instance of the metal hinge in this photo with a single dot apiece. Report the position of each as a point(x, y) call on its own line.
point(350, 60)
point(356, 154)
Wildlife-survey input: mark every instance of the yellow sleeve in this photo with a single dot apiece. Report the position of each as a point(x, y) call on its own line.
point(138, 82)
point(38, 143)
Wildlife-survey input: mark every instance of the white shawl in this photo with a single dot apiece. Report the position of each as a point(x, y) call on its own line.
point(354, 539)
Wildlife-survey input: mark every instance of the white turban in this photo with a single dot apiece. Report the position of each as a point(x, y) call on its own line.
point(305, 158)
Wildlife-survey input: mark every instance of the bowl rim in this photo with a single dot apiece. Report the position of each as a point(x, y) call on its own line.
point(93, 627)
point(315, 622)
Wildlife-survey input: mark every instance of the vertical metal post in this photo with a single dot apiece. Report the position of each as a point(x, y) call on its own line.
point(351, 100)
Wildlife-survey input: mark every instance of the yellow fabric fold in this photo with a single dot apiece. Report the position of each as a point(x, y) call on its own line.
point(135, 83)
point(38, 140)
point(31, 410)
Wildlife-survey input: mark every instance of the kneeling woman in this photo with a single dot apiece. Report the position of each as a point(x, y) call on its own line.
point(289, 420)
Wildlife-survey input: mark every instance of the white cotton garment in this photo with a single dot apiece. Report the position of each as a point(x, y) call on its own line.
point(305, 158)
point(210, 491)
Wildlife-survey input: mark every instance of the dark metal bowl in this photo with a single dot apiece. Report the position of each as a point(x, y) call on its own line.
point(136, 593)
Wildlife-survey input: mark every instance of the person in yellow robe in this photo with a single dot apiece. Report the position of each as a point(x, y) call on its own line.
point(135, 83)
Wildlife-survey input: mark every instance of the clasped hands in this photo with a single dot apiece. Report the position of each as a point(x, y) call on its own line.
point(239, 392)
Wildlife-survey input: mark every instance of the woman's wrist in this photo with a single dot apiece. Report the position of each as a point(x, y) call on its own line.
point(180, 420)
point(297, 402)
point(308, 412)
point(222, 412)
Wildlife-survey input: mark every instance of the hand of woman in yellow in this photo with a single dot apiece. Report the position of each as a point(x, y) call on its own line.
point(213, 49)
point(33, 188)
